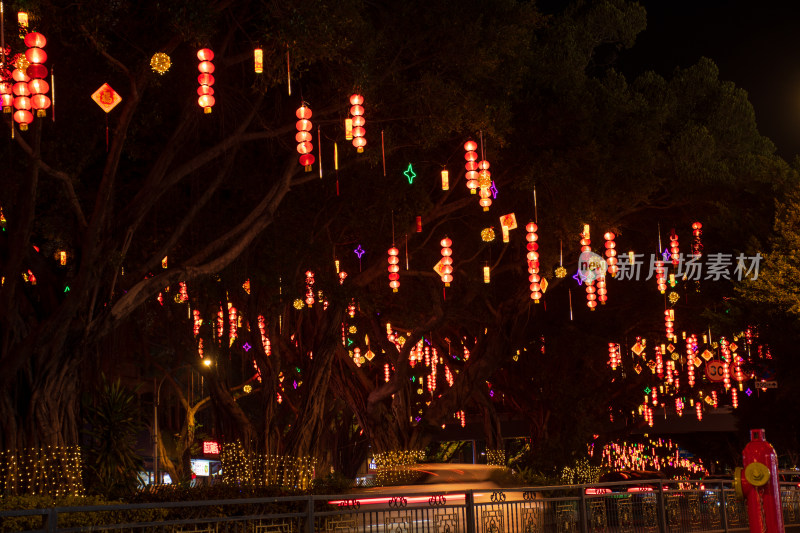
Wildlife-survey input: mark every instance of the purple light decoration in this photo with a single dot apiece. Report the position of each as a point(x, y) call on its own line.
point(246, 346)
point(748, 391)
point(359, 251)
point(577, 277)
point(294, 383)
point(491, 393)
point(494, 190)
point(666, 255)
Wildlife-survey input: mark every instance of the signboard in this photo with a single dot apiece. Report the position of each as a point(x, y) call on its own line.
point(766, 384)
point(715, 370)
point(201, 467)
point(210, 447)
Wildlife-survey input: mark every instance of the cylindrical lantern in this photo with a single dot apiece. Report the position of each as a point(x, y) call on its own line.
point(357, 111)
point(206, 80)
point(445, 180)
point(6, 96)
point(303, 137)
point(394, 268)
point(471, 165)
point(611, 253)
point(447, 261)
point(486, 274)
point(258, 59)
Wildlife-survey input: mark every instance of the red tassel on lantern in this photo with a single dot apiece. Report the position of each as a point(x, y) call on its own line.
point(394, 268)
point(447, 261)
point(357, 111)
point(303, 137)
point(472, 165)
point(206, 80)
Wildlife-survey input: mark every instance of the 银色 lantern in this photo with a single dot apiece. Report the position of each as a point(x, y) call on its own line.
point(205, 79)
point(471, 165)
point(357, 112)
point(447, 261)
point(394, 268)
point(303, 137)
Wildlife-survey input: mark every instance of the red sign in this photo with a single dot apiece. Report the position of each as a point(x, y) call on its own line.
point(210, 447)
point(106, 97)
point(715, 370)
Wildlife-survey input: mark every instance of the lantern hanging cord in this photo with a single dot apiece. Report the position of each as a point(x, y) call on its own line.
point(2, 35)
point(392, 227)
point(561, 252)
point(288, 71)
point(659, 237)
point(535, 207)
point(483, 153)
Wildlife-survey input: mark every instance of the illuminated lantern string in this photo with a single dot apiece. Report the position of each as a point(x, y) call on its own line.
point(734, 398)
point(386, 375)
point(533, 262)
point(690, 359)
point(197, 322)
point(611, 253)
point(200, 348)
point(6, 96)
point(220, 323)
point(357, 111)
point(654, 395)
point(602, 291)
point(394, 268)
point(258, 59)
point(22, 100)
point(463, 418)
point(309, 288)
point(485, 183)
point(262, 328)
point(698, 407)
point(674, 249)
point(679, 406)
point(206, 80)
point(659, 363)
point(471, 155)
point(714, 399)
point(37, 72)
point(586, 246)
point(233, 321)
point(447, 261)
point(303, 137)
point(613, 355)
point(661, 279)
point(697, 243)
point(669, 322)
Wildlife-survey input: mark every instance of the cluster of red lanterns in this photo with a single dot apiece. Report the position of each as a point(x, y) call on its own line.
point(674, 250)
point(197, 322)
point(309, 288)
point(262, 328)
point(205, 79)
point(220, 322)
point(586, 247)
point(533, 262)
point(303, 137)
point(233, 321)
point(394, 268)
point(602, 291)
point(471, 155)
point(614, 357)
point(697, 243)
point(698, 406)
point(659, 363)
point(690, 347)
point(611, 253)
point(30, 88)
point(661, 278)
point(485, 183)
point(386, 375)
point(447, 261)
point(357, 112)
point(669, 322)
point(654, 396)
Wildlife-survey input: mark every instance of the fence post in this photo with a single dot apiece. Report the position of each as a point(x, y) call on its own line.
point(582, 511)
point(469, 501)
point(310, 514)
point(50, 521)
point(724, 507)
point(662, 507)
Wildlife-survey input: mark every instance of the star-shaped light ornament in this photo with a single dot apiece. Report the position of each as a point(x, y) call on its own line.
point(494, 190)
point(410, 174)
point(359, 251)
point(246, 346)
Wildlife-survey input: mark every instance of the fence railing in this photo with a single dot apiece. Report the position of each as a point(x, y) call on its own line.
point(629, 507)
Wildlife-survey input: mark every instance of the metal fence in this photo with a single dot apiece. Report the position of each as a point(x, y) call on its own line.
point(631, 507)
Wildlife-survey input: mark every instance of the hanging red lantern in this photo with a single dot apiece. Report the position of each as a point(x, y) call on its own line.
point(386, 375)
point(206, 80)
point(669, 322)
point(690, 360)
point(304, 137)
point(6, 96)
point(613, 355)
point(484, 182)
point(674, 249)
point(394, 268)
point(447, 261)
point(734, 398)
point(602, 291)
point(357, 112)
point(21, 102)
point(309, 288)
point(471, 155)
point(697, 243)
point(36, 71)
point(661, 279)
point(659, 363)
point(698, 407)
point(533, 262)
point(611, 253)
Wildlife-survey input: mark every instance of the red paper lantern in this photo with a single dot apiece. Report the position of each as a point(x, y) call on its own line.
point(690, 345)
point(674, 249)
point(697, 243)
point(6, 96)
point(447, 261)
point(484, 182)
point(602, 291)
point(304, 137)
point(309, 288)
point(533, 262)
point(669, 322)
point(35, 40)
point(358, 132)
point(611, 253)
point(661, 279)
point(471, 165)
point(394, 268)
point(206, 80)
point(613, 355)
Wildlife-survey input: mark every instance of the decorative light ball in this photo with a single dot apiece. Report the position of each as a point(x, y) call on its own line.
point(160, 62)
point(22, 63)
point(487, 234)
point(352, 329)
point(298, 304)
point(561, 272)
point(247, 389)
point(673, 297)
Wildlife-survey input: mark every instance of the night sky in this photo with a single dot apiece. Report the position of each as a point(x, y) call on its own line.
point(755, 44)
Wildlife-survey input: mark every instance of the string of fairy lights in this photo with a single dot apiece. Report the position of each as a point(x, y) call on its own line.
point(241, 467)
point(49, 470)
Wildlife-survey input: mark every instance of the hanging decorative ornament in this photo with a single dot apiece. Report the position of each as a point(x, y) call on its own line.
point(445, 180)
point(487, 274)
point(485, 183)
point(611, 253)
point(303, 136)
point(233, 322)
point(471, 165)
point(447, 261)
point(533, 262)
point(674, 249)
point(22, 23)
point(309, 288)
point(586, 247)
point(205, 79)
point(487, 234)
point(357, 112)
point(661, 279)
point(220, 323)
point(669, 323)
point(22, 100)
point(602, 291)
point(386, 375)
point(258, 60)
point(197, 322)
point(614, 357)
point(160, 63)
point(698, 407)
point(394, 268)
point(6, 95)
point(697, 243)
point(37, 72)
point(690, 360)
point(106, 97)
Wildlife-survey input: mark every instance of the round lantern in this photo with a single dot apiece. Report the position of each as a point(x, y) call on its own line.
point(611, 253)
point(661, 279)
point(602, 291)
point(697, 244)
point(35, 40)
point(674, 249)
point(6, 96)
point(394, 268)
point(358, 132)
point(533, 261)
point(447, 261)
point(471, 165)
point(206, 80)
point(304, 137)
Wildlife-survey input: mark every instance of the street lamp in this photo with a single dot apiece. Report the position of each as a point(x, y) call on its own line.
point(157, 389)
